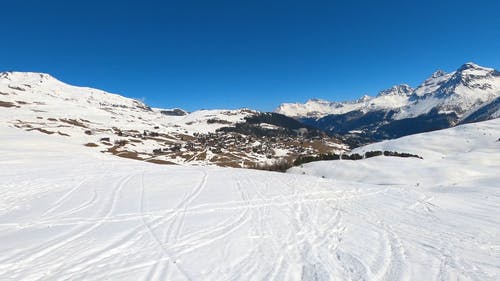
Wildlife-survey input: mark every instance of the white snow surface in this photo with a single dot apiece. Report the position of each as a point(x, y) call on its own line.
point(69, 213)
point(446, 203)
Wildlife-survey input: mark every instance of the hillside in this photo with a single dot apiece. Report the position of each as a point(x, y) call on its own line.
point(128, 128)
point(450, 157)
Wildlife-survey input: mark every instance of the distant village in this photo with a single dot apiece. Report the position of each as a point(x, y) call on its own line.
point(221, 148)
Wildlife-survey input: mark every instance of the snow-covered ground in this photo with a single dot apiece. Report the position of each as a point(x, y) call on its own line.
point(69, 213)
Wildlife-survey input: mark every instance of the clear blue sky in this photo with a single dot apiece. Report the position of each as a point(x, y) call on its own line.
point(248, 53)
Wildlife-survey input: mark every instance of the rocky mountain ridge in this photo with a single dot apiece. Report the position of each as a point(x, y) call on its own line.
point(469, 94)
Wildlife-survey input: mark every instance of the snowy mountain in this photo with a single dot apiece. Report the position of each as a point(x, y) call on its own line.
point(461, 92)
point(394, 97)
point(469, 94)
point(72, 213)
point(125, 127)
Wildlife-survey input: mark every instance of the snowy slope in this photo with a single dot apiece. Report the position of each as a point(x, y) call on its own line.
point(69, 213)
point(456, 186)
point(451, 156)
point(39, 95)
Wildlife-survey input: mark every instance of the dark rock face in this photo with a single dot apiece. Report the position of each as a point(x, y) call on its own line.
point(174, 112)
point(484, 113)
point(424, 123)
point(357, 128)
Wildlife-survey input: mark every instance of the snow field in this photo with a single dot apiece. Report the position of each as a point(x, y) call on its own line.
point(71, 213)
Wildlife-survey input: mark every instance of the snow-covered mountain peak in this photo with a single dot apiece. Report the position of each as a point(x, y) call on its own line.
point(472, 71)
point(432, 83)
point(43, 87)
point(318, 101)
point(311, 108)
point(27, 77)
point(471, 76)
point(397, 90)
point(473, 66)
point(460, 92)
point(438, 73)
point(364, 98)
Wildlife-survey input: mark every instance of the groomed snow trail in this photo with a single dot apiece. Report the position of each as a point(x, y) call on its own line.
point(66, 214)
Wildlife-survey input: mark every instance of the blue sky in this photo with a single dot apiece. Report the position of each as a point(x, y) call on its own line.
point(257, 54)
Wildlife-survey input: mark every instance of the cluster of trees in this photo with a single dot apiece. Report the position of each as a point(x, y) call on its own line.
point(398, 154)
point(284, 164)
point(218, 121)
point(280, 165)
point(354, 156)
point(288, 127)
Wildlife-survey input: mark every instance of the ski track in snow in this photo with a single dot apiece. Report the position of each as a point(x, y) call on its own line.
point(304, 243)
point(89, 217)
point(296, 235)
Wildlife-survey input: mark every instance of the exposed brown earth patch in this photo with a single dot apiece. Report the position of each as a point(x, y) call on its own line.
point(91, 144)
point(16, 88)
point(73, 122)
point(7, 104)
point(158, 161)
point(41, 130)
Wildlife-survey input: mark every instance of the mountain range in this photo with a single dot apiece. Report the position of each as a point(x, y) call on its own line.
point(469, 94)
point(129, 128)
